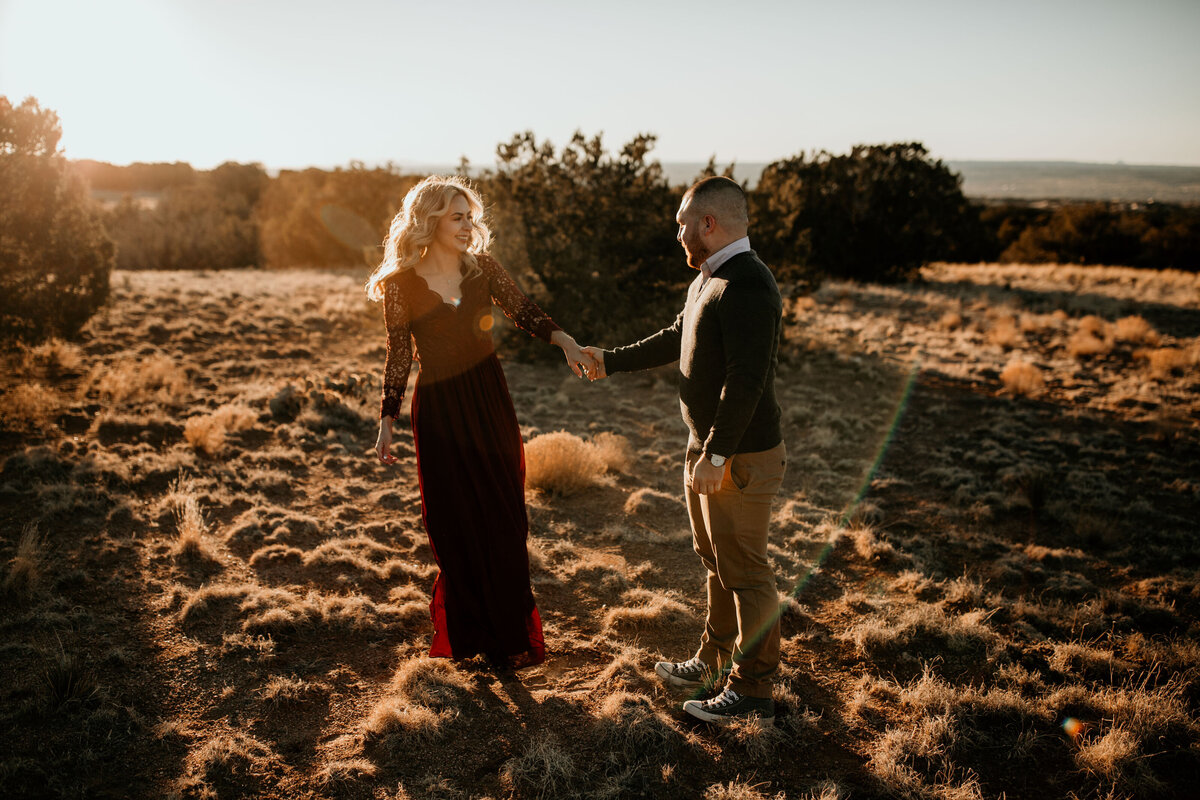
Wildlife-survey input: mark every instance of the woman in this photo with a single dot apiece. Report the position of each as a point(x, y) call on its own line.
point(437, 284)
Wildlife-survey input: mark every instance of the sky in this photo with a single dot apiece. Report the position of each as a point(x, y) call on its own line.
point(294, 83)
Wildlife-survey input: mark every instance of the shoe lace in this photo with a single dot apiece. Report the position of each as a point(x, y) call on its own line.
point(691, 665)
point(725, 698)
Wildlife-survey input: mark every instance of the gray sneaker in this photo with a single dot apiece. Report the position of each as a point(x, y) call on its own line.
point(690, 674)
point(729, 706)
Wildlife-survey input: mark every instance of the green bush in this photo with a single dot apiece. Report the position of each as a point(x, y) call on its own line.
point(875, 214)
point(207, 223)
point(321, 218)
point(55, 257)
point(590, 235)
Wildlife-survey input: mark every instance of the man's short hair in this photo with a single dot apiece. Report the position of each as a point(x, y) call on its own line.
point(721, 197)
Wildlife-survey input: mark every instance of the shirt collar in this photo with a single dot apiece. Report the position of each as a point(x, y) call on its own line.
point(717, 259)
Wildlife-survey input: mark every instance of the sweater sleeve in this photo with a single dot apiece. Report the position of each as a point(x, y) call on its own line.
point(515, 304)
point(398, 363)
point(653, 351)
point(749, 321)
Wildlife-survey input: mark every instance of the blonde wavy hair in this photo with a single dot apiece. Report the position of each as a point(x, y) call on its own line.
point(413, 228)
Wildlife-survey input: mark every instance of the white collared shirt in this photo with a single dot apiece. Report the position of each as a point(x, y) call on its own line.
point(717, 259)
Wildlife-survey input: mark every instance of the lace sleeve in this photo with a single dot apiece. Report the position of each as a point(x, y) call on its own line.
point(399, 350)
point(514, 303)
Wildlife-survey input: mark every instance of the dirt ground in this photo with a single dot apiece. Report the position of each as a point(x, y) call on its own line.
point(986, 548)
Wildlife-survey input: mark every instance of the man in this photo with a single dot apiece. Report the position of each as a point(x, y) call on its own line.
point(726, 340)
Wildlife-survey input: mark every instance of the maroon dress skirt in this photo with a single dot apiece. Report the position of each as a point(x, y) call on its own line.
point(470, 460)
point(471, 465)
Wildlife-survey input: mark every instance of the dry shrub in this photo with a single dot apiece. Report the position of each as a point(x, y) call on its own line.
point(28, 405)
point(55, 356)
point(1084, 344)
point(646, 607)
point(1094, 325)
point(1164, 361)
point(132, 380)
point(24, 569)
point(1135, 330)
point(950, 321)
point(614, 450)
point(1022, 378)
point(562, 463)
point(1005, 334)
point(207, 432)
point(543, 769)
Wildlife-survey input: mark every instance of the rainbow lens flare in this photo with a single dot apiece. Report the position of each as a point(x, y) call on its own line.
point(1073, 727)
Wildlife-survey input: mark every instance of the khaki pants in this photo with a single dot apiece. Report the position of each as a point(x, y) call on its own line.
point(729, 533)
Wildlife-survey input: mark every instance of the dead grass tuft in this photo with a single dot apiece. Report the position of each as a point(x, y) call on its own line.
point(432, 682)
point(633, 726)
point(1005, 333)
point(1166, 361)
point(562, 463)
point(1110, 755)
point(345, 774)
point(24, 570)
point(740, 790)
point(229, 764)
point(55, 356)
point(395, 719)
point(1134, 330)
point(157, 378)
point(543, 769)
point(69, 680)
point(29, 405)
point(1022, 378)
point(283, 691)
point(951, 321)
point(189, 521)
point(615, 451)
point(1085, 345)
point(647, 500)
point(646, 607)
point(208, 432)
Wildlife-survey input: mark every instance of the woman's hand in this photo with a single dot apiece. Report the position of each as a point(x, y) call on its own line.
point(383, 445)
point(577, 360)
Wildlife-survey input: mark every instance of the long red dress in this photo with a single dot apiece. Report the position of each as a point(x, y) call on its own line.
point(470, 459)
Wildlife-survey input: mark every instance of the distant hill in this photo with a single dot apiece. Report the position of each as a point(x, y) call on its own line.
point(1034, 180)
point(1074, 180)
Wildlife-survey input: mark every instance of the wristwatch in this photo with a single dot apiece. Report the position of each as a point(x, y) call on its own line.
point(716, 460)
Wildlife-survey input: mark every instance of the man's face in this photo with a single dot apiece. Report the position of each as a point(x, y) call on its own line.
point(692, 227)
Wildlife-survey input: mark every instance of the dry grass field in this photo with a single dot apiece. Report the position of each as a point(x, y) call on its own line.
point(986, 547)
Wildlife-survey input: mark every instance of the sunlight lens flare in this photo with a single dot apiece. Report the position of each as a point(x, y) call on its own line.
point(1073, 727)
point(864, 486)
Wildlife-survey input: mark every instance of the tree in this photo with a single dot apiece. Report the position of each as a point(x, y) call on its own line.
point(55, 257)
point(591, 234)
point(877, 213)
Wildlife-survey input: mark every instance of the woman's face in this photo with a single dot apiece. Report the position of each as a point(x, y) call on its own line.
point(453, 232)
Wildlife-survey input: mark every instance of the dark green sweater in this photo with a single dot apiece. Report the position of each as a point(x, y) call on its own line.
point(726, 340)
